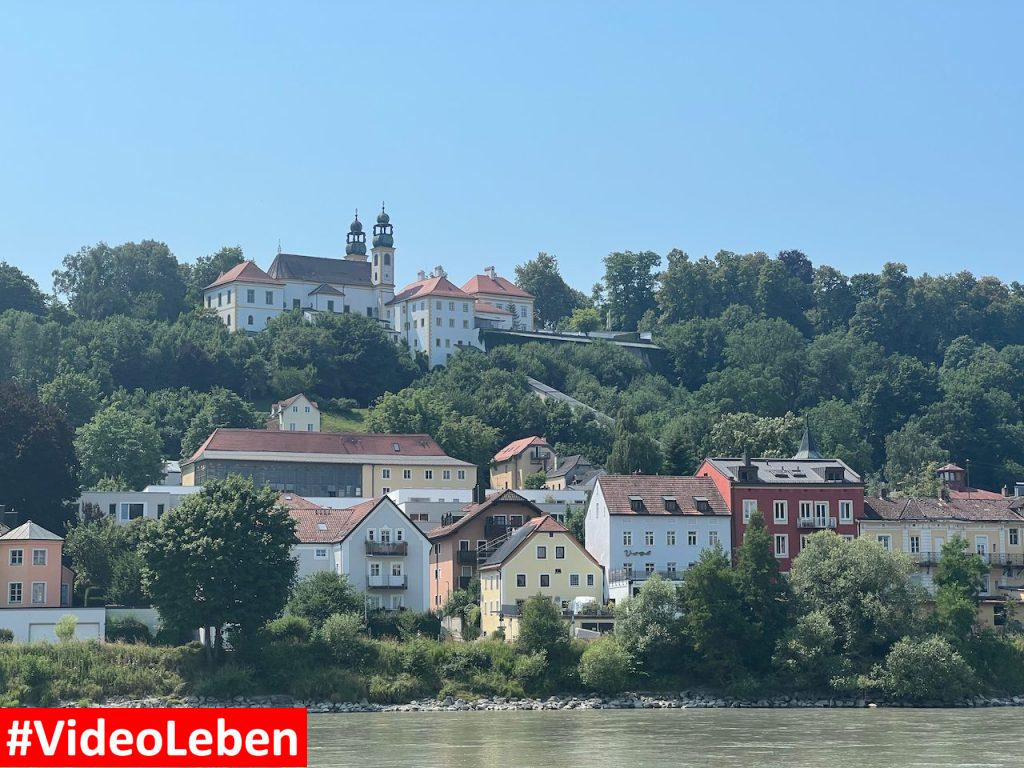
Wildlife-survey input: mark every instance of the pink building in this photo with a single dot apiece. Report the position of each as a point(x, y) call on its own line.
point(31, 572)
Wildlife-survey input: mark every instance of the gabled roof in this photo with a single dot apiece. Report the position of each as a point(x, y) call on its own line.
point(498, 286)
point(30, 532)
point(1004, 509)
point(951, 467)
point(568, 464)
point(490, 309)
point(519, 538)
point(317, 269)
point(327, 289)
point(973, 493)
point(322, 525)
point(246, 272)
point(518, 446)
point(785, 471)
point(282, 404)
point(654, 490)
point(429, 286)
point(471, 511)
point(336, 443)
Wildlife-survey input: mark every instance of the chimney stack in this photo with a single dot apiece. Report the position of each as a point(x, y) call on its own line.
point(421, 275)
point(490, 272)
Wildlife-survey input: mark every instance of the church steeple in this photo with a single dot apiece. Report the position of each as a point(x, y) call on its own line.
point(383, 272)
point(355, 241)
point(808, 445)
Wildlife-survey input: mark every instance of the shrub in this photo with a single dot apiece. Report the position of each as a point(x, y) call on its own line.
point(323, 594)
point(288, 629)
point(396, 690)
point(65, 627)
point(127, 630)
point(807, 656)
point(531, 671)
point(542, 628)
point(606, 666)
point(227, 682)
point(343, 635)
point(925, 670)
point(330, 684)
point(6, 635)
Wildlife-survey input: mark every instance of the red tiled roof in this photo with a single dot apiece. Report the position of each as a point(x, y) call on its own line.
point(429, 286)
point(951, 467)
point(494, 285)
point(974, 493)
point(339, 443)
point(518, 446)
point(322, 525)
point(522, 535)
point(1003, 509)
point(246, 272)
point(651, 489)
point(470, 511)
point(491, 309)
point(281, 405)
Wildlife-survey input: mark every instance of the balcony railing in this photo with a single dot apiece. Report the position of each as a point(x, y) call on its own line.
point(989, 558)
point(494, 530)
point(466, 557)
point(816, 522)
point(386, 548)
point(388, 581)
point(627, 574)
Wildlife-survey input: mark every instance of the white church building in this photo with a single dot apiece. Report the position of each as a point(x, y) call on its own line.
point(432, 315)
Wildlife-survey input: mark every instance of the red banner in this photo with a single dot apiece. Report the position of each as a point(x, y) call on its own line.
point(161, 738)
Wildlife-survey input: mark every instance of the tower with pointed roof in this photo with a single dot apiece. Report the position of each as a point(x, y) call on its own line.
point(808, 445)
point(355, 241)
point(383, 252)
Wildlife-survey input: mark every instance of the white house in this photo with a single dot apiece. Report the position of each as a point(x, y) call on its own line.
point(435, 317)
point(381, 550)
point(639, 525)
point(491, 290)
point(296, 414)
point(124, 506)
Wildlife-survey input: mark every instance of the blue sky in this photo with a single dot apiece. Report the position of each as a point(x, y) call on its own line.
point(859, 133)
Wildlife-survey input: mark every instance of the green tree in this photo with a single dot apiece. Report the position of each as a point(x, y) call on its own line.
point(221, 408)
point(553, 299)
point(208, 268)
point(19, 291)
point(120, 447)
point(764, 593)
point(959, 580)
point(605, 666)
point(764, 436)
point(75, 394)
point(324, 594)
point(38, 467)
point(585, 320)
point(137, 279)
point(925, 671)
point(221, 558)
point(629, 282)
point(543, 630)
point(713, 617)
point(107, 555)
point(648, 627)
point(633, 451)
point(535, 481)
point(808, 654)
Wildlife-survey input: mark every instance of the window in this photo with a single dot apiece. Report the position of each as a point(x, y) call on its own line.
point(269, 298)
point(845, 511)
point(14, 593)
point(250, 296)
point(428, 474)
point(220, 299)
point(781, 545)
point(545, 580)
point(320, 553)
point(396, 569)
point(39, 557)
point(295, 303)
point(375, 569)
point(670, 538)
point(590, 579)
point(691, 538)
point(648, 568)
point(227, 320)
point(574, 579)
point(670, 568)
point(437, 304)
point(886, 541)
point(330, 305)
point(803, 541)
point(467, 571)
point(805, 510)
point(385, 535)
point(159, 511)
point(712, 538)
point(399, 534)
point(229, 296)
point(451, 306)
point(749, 508)
point(648, 538)
point(915, 544)
point(446, 474)
point(17, 556)
point(465, 323)
point(439, 324)
point(407, 474)
point(386, 473)
point(520, 579)
point(38, 593)
point(628, 568)
point(542, 553)
point(559, 553)
point(1015, 536)
point(249, 320)
point(461, 474)
point(384, 489)
point(780, 511)
point(627, 538)
point(309, 427)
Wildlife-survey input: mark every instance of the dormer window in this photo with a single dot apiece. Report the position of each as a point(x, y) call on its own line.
point(702, 505)
point(321, 526)
point(636, 504)
point(748, 474)
point(671, 505)
point(834, 474)
point(396, 447)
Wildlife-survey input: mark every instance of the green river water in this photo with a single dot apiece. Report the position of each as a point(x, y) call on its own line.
point(747, 738)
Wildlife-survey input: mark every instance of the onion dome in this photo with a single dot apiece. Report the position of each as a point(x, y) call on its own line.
point(355, 242)
point(383, 232)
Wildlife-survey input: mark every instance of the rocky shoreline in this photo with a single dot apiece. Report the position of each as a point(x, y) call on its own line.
point(684, 700)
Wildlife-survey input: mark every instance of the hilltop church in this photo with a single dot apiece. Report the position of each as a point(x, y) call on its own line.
point(432, 315)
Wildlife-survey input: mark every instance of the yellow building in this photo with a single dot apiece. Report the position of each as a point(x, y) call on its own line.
point(540, 558)
point(992, 527)
point(325, 464)
point(518, 460)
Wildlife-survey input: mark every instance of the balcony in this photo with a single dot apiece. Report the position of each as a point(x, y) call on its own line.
point(464, 582)
point(387, 548)
point(466, 557)
point(387, 581)
point(623, 574)
point(821, 523)
point(494, 530)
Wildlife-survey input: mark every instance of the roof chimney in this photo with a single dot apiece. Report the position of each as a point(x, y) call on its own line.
point(489, 271)
point(421, 275)
point(439, 272)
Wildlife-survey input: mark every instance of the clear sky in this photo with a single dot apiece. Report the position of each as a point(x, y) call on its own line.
point(857, 132)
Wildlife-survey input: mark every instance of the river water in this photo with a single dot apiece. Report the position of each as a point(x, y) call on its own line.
point(737, 738)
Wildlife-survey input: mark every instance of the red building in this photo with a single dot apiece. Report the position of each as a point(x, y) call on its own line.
point(796, 497)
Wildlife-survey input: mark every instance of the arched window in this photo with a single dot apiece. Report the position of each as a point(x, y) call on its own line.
point(250, 319)
point(387, 259)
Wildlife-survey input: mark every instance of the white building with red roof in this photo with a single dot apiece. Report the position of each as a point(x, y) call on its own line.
point(493, 290)
point(382, 552)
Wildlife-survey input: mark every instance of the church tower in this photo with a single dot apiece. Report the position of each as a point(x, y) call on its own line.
point(355, 241)
point(383, 269)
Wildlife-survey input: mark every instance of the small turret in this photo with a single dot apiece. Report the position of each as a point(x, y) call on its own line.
point(383, 252)
point(808, 445)
point(355, 241)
